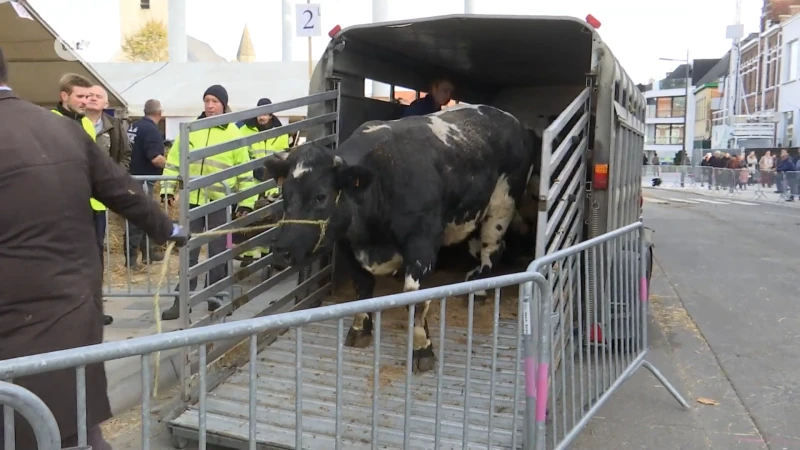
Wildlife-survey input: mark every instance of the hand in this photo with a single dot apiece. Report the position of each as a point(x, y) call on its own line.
point(169, 198)
point(180, 236)
point(242, 211)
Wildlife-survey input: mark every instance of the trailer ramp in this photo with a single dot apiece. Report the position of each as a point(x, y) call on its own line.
point(227, 404)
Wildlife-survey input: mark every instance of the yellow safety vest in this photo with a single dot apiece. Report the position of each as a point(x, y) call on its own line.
point(261, 148)
point(88, 126)
point(210, 165)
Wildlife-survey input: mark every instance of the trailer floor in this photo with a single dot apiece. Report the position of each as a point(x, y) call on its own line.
point(227, 405)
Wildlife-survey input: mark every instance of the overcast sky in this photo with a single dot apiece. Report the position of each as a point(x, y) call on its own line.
point(638, 35)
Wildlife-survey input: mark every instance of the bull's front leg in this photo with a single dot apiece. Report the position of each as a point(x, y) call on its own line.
point(420, 257)
point(360, 333)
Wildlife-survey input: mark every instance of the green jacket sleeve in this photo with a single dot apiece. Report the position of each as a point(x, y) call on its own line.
point(172, 167)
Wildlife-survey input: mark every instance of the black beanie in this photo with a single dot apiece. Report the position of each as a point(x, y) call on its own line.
point(264, 101)
point(220, 93)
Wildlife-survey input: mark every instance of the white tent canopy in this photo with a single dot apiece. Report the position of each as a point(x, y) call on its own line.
point(180, 86)
point(36, 58)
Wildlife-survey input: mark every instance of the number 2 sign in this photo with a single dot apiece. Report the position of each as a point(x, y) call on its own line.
point(307, 20)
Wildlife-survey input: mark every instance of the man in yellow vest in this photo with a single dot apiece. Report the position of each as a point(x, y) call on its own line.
point(260, 150)
point(73, 96)
point(215, 102)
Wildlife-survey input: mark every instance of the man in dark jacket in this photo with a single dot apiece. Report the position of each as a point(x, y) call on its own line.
point(147, 158)
point(441, 93)
point(50, 271)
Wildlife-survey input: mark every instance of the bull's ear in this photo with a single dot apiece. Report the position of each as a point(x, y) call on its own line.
point(353, 179)
point(277, 167)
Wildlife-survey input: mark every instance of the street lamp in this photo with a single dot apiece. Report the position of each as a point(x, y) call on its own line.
point(686, 105)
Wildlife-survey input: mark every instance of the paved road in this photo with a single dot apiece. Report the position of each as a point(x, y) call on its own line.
point(734, 266)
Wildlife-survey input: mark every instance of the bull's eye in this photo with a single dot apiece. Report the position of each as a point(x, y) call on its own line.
point(321, 198)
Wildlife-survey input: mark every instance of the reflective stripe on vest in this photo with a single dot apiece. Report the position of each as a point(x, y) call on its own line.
point(88, 126)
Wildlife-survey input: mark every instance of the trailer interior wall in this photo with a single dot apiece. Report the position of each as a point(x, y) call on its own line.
point(504, 61)
point(34, 66)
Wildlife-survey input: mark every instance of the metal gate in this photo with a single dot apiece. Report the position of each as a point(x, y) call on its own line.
point(289, 289)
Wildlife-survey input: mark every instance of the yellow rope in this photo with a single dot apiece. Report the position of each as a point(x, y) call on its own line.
point(323, 227)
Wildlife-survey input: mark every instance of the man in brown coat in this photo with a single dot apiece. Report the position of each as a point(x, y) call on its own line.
point(50, 270)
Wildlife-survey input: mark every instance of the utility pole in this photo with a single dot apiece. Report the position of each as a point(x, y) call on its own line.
point(686, 138)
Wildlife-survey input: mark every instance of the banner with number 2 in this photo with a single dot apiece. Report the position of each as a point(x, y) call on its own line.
point(307, 19)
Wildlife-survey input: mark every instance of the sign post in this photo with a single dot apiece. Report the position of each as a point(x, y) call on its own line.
point(308, 24)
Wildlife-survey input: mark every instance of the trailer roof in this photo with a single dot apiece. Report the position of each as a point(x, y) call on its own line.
point(35, 67)
point(483, 49)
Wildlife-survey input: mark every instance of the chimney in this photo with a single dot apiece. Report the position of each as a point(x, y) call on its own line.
point(286, 31)
point(176, 33)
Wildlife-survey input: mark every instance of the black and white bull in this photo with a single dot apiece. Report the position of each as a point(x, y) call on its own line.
point(395, 192)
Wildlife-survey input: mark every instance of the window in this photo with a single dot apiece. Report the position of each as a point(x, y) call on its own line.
point(664, 107)
point(678, 106)
point(669, 134)
point(667, 107)
point(144, 4)
point(791, 61)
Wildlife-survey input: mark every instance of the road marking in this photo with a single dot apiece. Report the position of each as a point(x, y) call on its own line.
point(691, 202)
point(655, 200)
point(743, 203)
point(710, 201)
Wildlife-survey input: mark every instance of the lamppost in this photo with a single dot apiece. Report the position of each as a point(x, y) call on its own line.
point(688, 82)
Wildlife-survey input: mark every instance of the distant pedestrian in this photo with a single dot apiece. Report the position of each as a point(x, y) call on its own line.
point(766, 166)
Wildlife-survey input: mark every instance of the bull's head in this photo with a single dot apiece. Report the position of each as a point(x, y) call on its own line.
point(318, 194)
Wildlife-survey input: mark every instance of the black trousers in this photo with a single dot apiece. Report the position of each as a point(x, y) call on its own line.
point(136, 240)
point(215, 247)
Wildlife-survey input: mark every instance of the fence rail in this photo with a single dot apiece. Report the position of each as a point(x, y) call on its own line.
point(743, 182)
point(474, 398)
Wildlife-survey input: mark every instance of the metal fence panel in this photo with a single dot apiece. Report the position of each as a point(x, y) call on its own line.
point(306, 390)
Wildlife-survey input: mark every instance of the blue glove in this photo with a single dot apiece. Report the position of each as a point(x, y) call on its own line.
point(179, 236)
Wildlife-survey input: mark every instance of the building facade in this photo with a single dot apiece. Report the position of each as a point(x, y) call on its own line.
point(789, 101)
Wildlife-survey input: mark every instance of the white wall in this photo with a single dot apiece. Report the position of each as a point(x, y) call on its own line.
point(789, 100)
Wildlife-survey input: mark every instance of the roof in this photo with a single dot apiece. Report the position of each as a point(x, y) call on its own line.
point(180, 86)
point(36, 58)
point(719, 70)
point(246, 52)
point(699, 69)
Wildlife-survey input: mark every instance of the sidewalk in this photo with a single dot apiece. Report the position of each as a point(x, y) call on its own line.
point(753, 193)
point(134, 317)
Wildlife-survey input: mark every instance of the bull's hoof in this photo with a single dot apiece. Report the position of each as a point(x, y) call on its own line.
point(358, 338)
point(423, 359)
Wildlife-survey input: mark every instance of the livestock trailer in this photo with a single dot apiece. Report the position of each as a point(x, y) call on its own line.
point(588, 183)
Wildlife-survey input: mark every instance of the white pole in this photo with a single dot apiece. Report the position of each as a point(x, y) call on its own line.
point(380, 13)
point(469, 6)
point(176, 32)
point(286, 31)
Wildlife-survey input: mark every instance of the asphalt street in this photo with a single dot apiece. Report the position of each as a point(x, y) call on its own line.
point(732, 266)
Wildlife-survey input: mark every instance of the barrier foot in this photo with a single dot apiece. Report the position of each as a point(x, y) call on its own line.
point(647, 365)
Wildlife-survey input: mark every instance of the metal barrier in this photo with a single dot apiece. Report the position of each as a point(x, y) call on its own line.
point(126, 246)
point(309, 282)
point(747, 182)
point(294, 394)
point(611, 336)
point(14, 398)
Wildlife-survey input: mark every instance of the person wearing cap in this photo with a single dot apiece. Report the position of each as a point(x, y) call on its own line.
point(259, 150)
point(215, 102)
